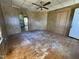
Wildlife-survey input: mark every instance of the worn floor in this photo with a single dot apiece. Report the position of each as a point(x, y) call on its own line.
point(41, 45)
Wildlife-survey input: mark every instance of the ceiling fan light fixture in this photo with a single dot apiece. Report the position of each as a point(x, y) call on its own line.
point(42, 5)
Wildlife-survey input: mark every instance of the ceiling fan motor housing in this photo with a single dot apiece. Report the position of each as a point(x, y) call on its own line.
point(42, 5)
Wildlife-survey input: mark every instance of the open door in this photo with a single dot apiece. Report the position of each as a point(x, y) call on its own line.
point(23, 22)
point(26, 23)
point(74, 31)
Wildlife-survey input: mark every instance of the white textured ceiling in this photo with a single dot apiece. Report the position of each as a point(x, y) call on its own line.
point(28, 3)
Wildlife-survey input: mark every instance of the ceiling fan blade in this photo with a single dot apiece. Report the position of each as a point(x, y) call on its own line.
point(45, 7)
point(47, 3)
point(36, 4)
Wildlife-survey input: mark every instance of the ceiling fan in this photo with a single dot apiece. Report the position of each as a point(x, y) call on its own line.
point(42, 5)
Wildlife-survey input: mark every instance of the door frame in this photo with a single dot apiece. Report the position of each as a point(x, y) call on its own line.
point(71, 19)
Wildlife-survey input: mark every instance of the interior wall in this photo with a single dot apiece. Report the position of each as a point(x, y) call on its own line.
point(2, 34)
point(11, 19)
point(59, 21)
point(37, 20)
point(1, 46)
point(51, 22)
point(1, 18)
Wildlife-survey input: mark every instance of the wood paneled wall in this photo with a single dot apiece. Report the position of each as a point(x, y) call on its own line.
point(58, 21)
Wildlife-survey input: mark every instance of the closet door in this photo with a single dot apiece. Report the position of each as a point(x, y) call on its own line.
point(62, 21)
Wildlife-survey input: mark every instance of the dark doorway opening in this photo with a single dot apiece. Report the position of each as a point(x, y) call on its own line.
point(23, 23)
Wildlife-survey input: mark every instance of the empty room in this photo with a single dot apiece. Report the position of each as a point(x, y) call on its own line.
point(39, 29)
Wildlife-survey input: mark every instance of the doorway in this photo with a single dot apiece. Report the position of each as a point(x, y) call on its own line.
point(24, 23)
point(74, 30)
